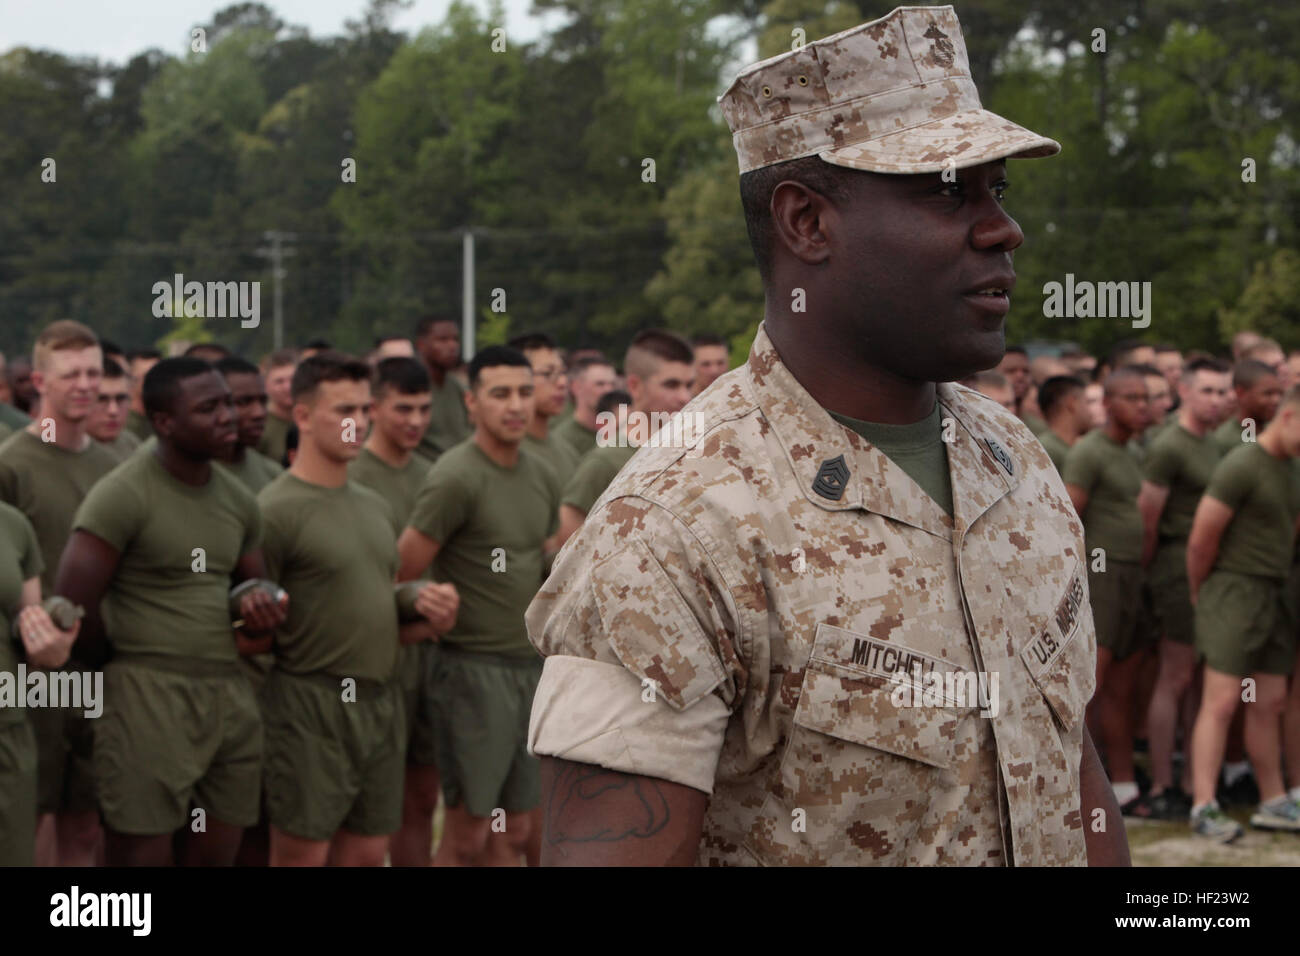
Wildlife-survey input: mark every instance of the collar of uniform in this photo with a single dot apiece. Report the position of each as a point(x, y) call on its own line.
point(810, 438)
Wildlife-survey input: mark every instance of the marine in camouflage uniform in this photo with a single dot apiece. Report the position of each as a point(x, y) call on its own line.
point(738, 618)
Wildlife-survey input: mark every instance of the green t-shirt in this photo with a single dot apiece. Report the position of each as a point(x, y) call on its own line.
point(398, 486)
point(138, 425)
point(5, 431)
point(1056, 449)
point(1183, 463)
point(335, 551)
point(917, 448)
point(20, 560)
point(490, 523)
point(449, 423)
point(1260, 489)
point(47, 484)
point(556, 452)
point(13, 418)
point(1228, 435)
point(580, 438)
point(595, 471)
point(164, 598)
point(1034, 423)
point(256, 471)
point(123, 446)
point(274, 435)
point(1110, 474)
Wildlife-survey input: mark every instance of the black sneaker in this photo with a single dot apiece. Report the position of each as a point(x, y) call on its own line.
point(1141, 779)
point(1244, 792)
point(1168, 804)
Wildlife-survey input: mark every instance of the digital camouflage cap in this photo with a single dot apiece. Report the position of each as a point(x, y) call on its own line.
point(891, 96)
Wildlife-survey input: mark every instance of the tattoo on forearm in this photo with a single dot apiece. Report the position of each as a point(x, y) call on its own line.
point(580, 793)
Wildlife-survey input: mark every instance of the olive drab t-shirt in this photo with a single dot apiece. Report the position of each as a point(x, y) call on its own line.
point(178, 545)
point(1181, 462)
point(335, 551)
point(580, 438)
point(917, 448)
point(556, 452)
point(20, 560)
point(256, 471)
point(12, 418)
point(47, 484)
point(274, 436)
point(595, 471)
point(397, 486)
point(490, 522)
point(1261, 491)
point(1109, 473)
point(1228, 435)
point(123, 446)
point(138, 425)
point(449, 424)
point(1056, 449)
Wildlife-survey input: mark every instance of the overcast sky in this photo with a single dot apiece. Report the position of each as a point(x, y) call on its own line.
point(118, 29)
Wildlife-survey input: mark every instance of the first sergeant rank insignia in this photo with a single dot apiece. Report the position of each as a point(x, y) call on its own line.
point(1000, 455)
point(832, 478)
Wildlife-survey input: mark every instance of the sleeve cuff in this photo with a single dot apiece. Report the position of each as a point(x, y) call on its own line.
point(592, 712)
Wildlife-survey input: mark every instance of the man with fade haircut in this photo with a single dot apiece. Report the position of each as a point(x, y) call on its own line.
point(1161, 402)
point(1103, 479)
point(277, 370)
point(139, 361)
point(1239, 553)
point(335, 727)
point(393, 346)
point(107, 421)
point(1169, 359)
point(1068, 419)
point(1079, 363)
point(712, 359)
point(210, 352)
point(248, 393)
point(46, 470)
point(590, 377)
point(437, 342)
point(1257, 392)
point(993, 384)
point(550, 390)
point(1271, 354)
point(659, 369)
point(483, 520)
point(389, 466)
point(746, 620)
point(1177, 469)
point(155, 549)
point(1242, 341)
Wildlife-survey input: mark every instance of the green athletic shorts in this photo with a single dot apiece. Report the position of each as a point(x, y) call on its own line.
point(1173, 598)
point(177, 733)
point(1116, 595)
point(417, 665)
point(65, 774)
point(1243, 624)
point(484, 702)
point(17, 793)
point(333, 764)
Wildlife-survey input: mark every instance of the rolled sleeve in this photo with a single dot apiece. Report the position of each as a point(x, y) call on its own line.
point(592, 712)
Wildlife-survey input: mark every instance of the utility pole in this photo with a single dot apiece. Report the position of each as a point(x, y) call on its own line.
point(276, 253)
point(467, 294)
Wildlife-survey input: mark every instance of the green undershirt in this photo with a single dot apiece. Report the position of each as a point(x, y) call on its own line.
point(918, 449)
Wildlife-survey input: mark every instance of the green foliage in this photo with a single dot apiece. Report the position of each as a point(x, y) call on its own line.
point(1270, 303)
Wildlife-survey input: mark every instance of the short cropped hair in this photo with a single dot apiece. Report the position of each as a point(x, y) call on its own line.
point(652, 347)
point(113, 368)
point(1206, 364)
point(162, 383)
point(401, 374)
point(234, 365)
point(63, 335)
point(758, 185)
point(1053, 392)
point(326, 366)
point(532, 342)
point(611, 400)
point(493, 356)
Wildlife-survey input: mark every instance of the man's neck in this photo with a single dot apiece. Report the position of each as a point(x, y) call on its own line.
point(586, 417)
point(315, 468)
point(238, 454)
point(68, 435)
point(1065, 429)
point(505, 454)
point(1118, 433)
point(1271, 441)
point(1189, 422)
point(840, 382)
point(437, 373)
point(189, 471)
point(383, 449)
point(540, 426)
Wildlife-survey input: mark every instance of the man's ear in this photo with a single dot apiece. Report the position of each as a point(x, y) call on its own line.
point(800, 217)
point(300, 412)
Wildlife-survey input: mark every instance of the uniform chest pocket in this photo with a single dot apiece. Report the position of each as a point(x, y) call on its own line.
point(1062, 659)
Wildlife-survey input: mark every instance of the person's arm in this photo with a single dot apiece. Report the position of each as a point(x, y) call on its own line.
point(416, 551)
point(45, 644)
point(1212, 519)
point(1078, 498)
point(260, 613)
point(1108, 845)
point(571, 520)
point(85, 570)
point(597, 817)
point(1151, 504)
